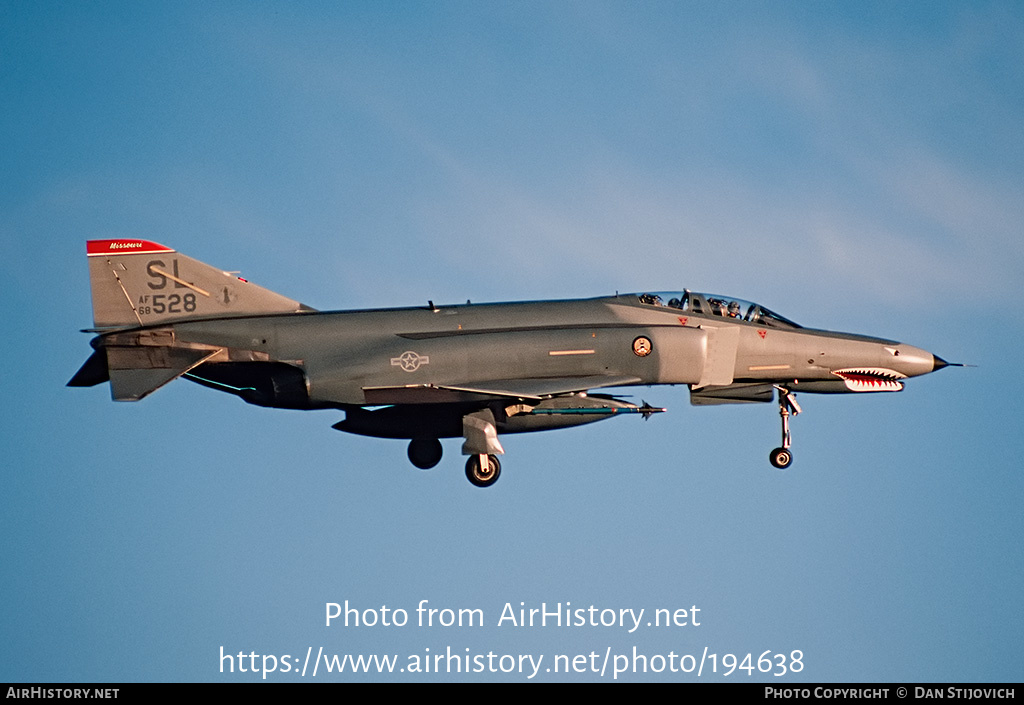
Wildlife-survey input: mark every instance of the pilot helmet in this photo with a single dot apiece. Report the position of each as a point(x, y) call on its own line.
point(734, 308)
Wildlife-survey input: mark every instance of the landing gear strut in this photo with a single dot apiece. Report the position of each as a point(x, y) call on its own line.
point(482, 447)
point(483, 470)
point(782, 457)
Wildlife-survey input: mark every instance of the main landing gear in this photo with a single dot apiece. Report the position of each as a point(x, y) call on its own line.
point(782, 457)
point(483, 470)
point(482, 447)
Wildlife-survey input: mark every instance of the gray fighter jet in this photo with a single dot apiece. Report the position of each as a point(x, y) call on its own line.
point(473, 371)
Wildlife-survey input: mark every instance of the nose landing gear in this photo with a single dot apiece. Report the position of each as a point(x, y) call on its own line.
point(782, 457)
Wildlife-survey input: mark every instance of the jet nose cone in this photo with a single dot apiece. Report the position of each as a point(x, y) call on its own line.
point(911, 361)
point(940, 363)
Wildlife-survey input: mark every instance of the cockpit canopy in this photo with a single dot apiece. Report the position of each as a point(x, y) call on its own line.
point(715, 305)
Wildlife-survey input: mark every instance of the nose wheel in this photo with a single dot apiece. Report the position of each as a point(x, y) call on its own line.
point(782, 457)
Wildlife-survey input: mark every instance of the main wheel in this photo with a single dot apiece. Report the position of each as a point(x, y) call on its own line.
point(780, 457)
point(483, 476)
point(425, 453)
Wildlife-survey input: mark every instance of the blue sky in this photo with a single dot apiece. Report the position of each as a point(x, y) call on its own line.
point(852, 166)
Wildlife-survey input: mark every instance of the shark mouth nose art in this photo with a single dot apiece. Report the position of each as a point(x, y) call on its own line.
point(871, 379)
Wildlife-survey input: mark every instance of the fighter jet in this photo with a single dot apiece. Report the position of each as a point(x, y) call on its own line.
point(475, 371)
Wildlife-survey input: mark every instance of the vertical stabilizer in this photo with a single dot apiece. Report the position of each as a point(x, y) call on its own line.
point(137, 282)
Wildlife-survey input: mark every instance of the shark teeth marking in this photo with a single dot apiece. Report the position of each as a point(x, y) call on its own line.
point(871, 379)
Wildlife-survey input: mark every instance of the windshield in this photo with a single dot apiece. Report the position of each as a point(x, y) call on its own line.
point(715, 305)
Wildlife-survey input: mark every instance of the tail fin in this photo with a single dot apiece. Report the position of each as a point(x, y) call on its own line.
point(139, 283)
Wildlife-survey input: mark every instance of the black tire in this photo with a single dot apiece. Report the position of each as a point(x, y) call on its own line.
point(425, 453)
point(780, 458)
point(480, 478)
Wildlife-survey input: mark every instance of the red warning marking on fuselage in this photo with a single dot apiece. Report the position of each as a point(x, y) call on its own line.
point(683, 320)
point(762, 333)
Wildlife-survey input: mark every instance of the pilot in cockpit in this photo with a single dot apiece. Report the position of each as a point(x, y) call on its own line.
point(734, 309)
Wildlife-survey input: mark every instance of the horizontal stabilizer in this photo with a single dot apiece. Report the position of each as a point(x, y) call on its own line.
point(138, 371)
point(93, 372)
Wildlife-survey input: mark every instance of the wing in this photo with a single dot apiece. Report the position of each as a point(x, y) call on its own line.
point(524, 390)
